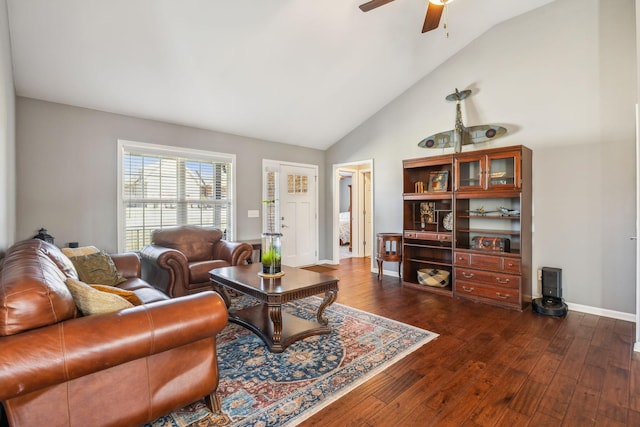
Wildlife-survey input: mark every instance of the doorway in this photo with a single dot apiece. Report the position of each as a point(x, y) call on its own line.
point(294, 190)
point(352, 210)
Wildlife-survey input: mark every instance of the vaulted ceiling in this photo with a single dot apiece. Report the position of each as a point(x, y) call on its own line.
point(291, 71)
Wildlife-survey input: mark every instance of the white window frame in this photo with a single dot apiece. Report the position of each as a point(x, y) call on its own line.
point(170, 151)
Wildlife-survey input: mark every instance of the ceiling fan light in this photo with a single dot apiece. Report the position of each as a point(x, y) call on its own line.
point(440, 2)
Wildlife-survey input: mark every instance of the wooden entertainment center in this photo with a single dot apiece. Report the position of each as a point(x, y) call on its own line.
point(467, 218)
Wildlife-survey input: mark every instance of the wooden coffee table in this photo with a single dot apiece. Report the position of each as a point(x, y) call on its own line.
point(278, 330)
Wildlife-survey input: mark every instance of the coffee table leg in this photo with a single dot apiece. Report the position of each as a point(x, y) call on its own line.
point(275, 313)
point(329, 298)
point(223, 293)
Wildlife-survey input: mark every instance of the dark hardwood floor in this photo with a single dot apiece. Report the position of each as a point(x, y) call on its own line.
point(489, 366)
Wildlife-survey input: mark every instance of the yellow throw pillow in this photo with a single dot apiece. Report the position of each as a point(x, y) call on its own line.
point(81, 251)
point(97, 268)
point(128, 295)
point(92, 301)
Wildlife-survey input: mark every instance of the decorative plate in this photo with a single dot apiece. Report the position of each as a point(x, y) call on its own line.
point(447, 222)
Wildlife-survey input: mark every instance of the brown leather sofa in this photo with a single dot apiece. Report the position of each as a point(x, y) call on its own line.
point(58, 368)
point(179, 259)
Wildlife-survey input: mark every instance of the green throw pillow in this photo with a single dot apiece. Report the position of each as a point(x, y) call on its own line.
point(92, 301)
point(97, 268)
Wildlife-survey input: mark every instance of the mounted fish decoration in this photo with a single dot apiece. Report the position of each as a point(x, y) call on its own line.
point(462, 135)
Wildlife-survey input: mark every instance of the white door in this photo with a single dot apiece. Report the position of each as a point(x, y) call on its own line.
point(298, 214)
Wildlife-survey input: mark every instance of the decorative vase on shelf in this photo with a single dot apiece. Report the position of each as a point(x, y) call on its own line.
point(271, 253)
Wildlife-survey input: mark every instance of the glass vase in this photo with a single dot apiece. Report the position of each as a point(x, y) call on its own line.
point(271, 253)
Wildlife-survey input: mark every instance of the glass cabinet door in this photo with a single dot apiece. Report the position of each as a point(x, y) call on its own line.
point(469, 174)
point(503, 171)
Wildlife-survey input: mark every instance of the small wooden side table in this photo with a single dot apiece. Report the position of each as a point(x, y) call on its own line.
point(389, 249)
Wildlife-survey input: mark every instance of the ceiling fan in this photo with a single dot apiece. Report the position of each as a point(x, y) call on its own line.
point(431, 20)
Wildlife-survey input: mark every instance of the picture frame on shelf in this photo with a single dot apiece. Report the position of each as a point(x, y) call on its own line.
point(427, 213)
point(438, 181)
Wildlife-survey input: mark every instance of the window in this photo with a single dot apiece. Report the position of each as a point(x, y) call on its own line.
point(163, 186)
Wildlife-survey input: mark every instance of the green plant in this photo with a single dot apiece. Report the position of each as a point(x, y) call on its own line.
point(271, 256)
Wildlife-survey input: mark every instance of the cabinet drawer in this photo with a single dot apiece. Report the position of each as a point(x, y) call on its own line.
point(488, 262)
point(428, 235)
point(470, 289)
point(512, 265)
point(488, 278)
point(485, 261)
point(461, 258)
point(479, 261)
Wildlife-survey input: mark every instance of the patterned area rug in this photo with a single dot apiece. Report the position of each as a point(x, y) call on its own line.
point(259, 388)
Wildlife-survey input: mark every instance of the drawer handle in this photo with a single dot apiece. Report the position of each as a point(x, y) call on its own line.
point(505, 281)
point(502, 296)
point(460, 258)
point(467, 275)
point(510, 264)
point(468, 289)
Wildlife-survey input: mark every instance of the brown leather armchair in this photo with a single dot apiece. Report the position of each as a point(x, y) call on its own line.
point(179, 259)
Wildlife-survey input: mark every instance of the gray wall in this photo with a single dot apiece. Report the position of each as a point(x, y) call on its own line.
point(562, 79)
point(7, 136)
point(67, 178)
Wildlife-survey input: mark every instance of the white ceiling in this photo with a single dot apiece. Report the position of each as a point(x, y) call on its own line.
point(293, 71)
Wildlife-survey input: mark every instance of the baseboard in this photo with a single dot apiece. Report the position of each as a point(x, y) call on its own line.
point(619, 315)
point(392, 273)
point(629, 317)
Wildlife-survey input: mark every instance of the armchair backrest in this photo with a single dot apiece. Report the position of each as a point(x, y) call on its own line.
point(196, 243)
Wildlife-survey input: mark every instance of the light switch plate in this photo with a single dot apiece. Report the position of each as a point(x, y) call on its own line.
point(253, 213)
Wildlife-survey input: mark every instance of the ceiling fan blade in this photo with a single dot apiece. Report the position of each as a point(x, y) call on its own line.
point(432, 20)
point(366, 7)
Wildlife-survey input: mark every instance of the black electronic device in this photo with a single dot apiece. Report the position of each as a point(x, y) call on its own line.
point(551, 303)
point(551, 282)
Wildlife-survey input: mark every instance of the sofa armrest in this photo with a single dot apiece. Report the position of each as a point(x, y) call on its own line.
point(235, 253)
point(127, 264)
point(165, 268)
point(71, 349)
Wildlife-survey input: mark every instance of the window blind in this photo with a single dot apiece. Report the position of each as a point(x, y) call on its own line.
point(169, 189)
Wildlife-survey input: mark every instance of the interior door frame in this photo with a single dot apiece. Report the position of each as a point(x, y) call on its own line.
point(362, 174)
point(636, 345)
point(355, 167)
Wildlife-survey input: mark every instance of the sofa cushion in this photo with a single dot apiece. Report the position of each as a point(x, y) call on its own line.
point(196, 243)
point(91, 301)
point(60, 260)
point(97, 268)
point(143, 290)
point(33, 292)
